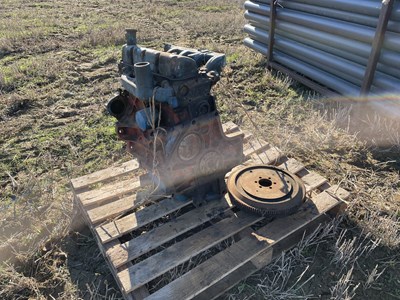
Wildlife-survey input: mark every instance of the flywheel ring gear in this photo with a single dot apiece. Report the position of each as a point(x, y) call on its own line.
point(266, 190)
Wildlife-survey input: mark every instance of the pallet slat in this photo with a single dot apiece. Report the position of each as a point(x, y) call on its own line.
point(154, 238)
point(235, 277)
point(222, 264)
point(115, 208)
point(117, 228)
point(108, 192)
point(105, 175)
point(230, 127)
point(156, 265)
point(313, 180)
point(255, 158)
point(254, 145)
point(292, 165)
point(268, 157)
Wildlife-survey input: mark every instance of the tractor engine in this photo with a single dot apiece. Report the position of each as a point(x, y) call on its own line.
point(166, 114)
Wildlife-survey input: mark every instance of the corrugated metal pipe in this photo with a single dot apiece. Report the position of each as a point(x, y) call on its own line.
point(363, 49)
point(325, 78)
point(364, 7)
point(337, 27)
point(328, 41)
point(342, 15)
point(338, 66)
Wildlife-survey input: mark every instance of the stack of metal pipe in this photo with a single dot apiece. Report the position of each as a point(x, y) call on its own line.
point(328, 41)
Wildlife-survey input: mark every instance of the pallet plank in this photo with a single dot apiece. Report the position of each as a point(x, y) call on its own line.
point(105, 175)
point(292, 166)
point(230, 127)
point(108, 192)
point(152, 239)
point(117, 228)
point(113, 209)
point(255, 159)
point(158, 264)
point(313, 180)
point(254, 146)
point(234, 278)
point(222, 264)
point(268, 157)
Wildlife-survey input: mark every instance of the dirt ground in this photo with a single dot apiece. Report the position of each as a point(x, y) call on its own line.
point(58, 68)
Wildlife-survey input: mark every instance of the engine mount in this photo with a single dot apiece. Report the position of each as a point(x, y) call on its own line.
point(166, 114)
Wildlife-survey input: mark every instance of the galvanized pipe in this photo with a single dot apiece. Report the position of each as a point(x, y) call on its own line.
point(363, 7)
point(359, 55)
point(395, 72)
point(323, 77)
point(345, 29)
point(334, 49)
point(343, 68)
point(318, 62)
point(326, 12)
point(387, 57)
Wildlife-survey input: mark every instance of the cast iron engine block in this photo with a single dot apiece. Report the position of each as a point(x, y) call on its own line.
point(168, 118)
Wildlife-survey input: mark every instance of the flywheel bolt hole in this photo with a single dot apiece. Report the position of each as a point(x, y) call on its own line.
point(265, 182)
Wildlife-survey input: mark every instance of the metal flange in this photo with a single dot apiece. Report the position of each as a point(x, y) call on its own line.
point(266, 190)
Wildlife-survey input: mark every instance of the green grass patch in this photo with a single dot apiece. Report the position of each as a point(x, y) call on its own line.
point(215, 8)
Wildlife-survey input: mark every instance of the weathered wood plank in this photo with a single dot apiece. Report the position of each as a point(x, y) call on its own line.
point(108, 192)
point(292, 166)
point(227, 261)
point(152, 239)
point(81, 218)
point(254, 146)
point(104, 175)
point(158, 264)
point(113, 209)
point(269, 157)
point(230, 127)
point(117, 228)
point(234, 278)
point(139, 294)
point(313, 180)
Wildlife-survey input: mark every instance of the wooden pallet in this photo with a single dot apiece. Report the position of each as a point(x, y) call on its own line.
point(142, 242)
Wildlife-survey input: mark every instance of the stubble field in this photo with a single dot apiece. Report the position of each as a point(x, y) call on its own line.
point(58, 68)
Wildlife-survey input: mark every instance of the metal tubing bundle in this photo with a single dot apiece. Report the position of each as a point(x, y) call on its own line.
point(329, 41)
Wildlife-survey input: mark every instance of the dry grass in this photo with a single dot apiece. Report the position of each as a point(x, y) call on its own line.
point(58, 69)
point(344, 289)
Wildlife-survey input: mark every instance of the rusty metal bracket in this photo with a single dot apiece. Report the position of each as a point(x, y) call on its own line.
point(376, 46)
point(272, 18)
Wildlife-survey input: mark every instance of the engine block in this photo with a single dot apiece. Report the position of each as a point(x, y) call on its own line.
point(166, 114)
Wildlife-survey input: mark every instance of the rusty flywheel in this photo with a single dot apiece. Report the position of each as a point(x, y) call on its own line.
point(266, 190)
